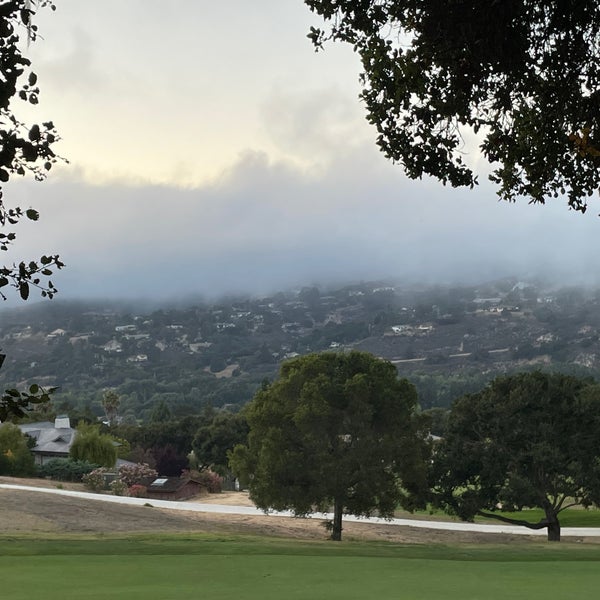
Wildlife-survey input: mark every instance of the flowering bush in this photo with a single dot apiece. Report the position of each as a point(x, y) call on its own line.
point(95, 480)
point(137, 490)
point(212, 482)
point(118, 487)
point(136, 474)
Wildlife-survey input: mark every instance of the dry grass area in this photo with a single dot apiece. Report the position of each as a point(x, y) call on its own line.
point(26, 512)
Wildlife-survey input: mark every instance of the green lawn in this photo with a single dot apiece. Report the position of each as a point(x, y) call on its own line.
point(572, 517)
point(218, 568)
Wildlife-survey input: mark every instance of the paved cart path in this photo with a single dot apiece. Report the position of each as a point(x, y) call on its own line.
point(253, 511)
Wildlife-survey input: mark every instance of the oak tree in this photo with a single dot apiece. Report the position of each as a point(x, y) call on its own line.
point(334, 430)
point(24, 148)
point(525, 441)
point(522, 74)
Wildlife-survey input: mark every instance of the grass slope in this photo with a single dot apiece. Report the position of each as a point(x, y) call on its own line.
point(191, 567)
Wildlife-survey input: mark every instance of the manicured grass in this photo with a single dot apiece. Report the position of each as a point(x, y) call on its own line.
point(219, 568)
point(572, 517)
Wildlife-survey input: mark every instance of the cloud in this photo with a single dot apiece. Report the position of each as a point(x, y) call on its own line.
point(266, 225)
point(279, 179)
point(315, 126)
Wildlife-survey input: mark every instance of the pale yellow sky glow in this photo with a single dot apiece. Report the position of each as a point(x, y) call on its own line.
point(143, 96)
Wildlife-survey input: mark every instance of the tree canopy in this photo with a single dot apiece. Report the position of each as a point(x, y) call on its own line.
point(334, 430)
point(94, 447)
point(15, 457)
point(522, 74)
point(24, 148)
point(525, 441)
point(216, 438)
point(110, 403)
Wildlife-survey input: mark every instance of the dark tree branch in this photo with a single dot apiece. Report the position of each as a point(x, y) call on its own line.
point(522, 522)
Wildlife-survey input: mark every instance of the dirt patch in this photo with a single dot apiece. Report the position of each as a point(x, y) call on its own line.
point(226, 373)
point(25, 512)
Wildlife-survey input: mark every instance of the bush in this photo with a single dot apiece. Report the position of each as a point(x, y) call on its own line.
point(209, 480)
point(136, 474)
point(95, 480)
point(137, 491)
point(118, 487)
point(66, 469)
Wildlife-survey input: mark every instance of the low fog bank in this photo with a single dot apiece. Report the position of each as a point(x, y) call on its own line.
point(266, 226)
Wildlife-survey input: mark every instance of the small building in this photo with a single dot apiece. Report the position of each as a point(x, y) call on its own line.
point(173, 488)
point(112, 346)
point(56, 333)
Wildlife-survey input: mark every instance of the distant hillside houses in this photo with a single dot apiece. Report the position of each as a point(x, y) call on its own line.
point(113, 346)
point(411, 330)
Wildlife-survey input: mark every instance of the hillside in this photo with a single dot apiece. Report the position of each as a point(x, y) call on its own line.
point(447, 340)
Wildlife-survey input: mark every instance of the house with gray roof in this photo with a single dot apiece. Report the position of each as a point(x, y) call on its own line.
point(52, 440)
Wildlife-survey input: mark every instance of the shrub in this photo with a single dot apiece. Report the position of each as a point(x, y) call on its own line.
point(66, 469)
point(136, 474)
point(209, 480)
point(118, 487)
point(137, 490)
point(95, 480)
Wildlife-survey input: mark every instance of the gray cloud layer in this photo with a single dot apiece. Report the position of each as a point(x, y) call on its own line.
point(265, 226)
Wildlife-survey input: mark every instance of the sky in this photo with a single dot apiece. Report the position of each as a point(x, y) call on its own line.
point(212, 151)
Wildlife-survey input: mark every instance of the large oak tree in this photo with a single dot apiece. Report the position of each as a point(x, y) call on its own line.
point(525, 441)
point(334, 430)
point(24, 148)
point(523, 74)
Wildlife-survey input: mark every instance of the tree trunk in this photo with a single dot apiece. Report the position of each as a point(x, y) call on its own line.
point(550, 523)
point(553, 526)
point(336, 531)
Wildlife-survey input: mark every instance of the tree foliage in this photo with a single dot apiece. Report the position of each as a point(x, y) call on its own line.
point(66, 469)
point(110, 403)
point(24, 148)
point(523, 74)
point(217, 438)
point(169, 461)
point(526, 440)
point(94, 447)
point(15, 457)
point(178, 433)
point(334, 430)
point(15, 403)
